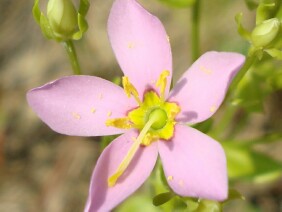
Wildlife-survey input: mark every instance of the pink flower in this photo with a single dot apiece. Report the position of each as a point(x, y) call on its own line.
point(153, 122)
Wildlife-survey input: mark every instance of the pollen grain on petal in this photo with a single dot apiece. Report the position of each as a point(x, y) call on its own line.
point(212, 108)
point(170, 178)
point(181, 183)
point(109, 113)
point(130, 45)
point(100, 96)
point(76, 115)
point(93, 110)
point(206, 70)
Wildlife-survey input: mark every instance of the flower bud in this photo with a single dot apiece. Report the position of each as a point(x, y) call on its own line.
point(265, 32)
point(62, 17)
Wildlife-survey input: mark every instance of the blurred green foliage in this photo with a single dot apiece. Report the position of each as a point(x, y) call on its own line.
point(179, 3)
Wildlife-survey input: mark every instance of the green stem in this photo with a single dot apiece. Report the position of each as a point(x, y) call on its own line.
point(220, 127)
point(229, 108)
point(250, 60)
point(69, 47)
point(195, 31)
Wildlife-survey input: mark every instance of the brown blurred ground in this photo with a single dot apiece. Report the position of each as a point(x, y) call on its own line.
point(44, 171)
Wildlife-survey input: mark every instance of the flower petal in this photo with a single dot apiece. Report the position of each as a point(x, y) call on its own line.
point(201, 90)
point(104, 198)
point(80, 105)
point(194, 164)
point(140, 44)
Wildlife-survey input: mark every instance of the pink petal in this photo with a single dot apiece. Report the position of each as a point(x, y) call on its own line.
point(80, 105)
point(194, 164)
point(140, 44)
point(201, 90)
point(104, 198)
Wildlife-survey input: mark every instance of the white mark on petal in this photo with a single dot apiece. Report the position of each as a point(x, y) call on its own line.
point(170, 178)
point(109, 113)
point(76, 115)
point(93, 110)
point(206, 70)
point(213, 108)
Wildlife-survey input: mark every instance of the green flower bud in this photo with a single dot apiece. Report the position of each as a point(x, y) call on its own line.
point(265, 33)
point(62, 17)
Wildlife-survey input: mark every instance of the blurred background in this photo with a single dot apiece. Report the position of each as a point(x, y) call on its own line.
point(41, 170)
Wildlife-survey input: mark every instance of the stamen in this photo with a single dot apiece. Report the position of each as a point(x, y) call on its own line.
point(161, 83)
point(130, 89)
point(122, 123)
point(129, 156)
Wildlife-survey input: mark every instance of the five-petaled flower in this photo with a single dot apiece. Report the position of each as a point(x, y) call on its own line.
point(153, 122)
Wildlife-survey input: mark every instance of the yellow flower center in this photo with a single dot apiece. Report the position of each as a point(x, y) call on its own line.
point(154, 118)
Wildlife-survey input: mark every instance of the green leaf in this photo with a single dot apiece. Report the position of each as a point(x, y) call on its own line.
point(242, 162)
point(192, 203)
point(179, 3)
point(179, 204)
point(252, 91)
point(163, 198)
point(275, 53)
point(251, 4)
point(276, 80)
point(45, 27)
point(267, 10)
point(82, 23)
point(239, 160)
point(138, 203)
point(83, 7)
point(241, 30)
point(36, 11)
point(204, 126)
point(209, 206)
point(233, 195)
point(266, 168)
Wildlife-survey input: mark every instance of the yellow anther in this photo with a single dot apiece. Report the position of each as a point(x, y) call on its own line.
point(130, 89)
point(149, 138)
point(161, 83)
point(130, 154)
point(172, 109)
point(122, 123)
